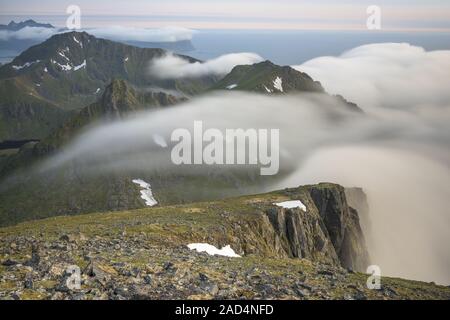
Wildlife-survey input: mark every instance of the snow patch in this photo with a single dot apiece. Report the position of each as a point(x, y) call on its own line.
point(278, 84)
point(146, 192)
point(64, 67)
point(97, 91)
point(79, 42)
point(45, 69)
point(83, 65)
point(126, 59)
point(61, 53)
point(231, 87)
point(291, 204)
point(25, 65)
point(267, 89)
point(212, 250)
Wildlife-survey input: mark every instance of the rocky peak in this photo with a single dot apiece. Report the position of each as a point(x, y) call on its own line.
point(118, 96)
point(269, 78)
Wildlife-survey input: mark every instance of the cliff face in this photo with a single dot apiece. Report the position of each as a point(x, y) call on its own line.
point(342, 222)
point(328, 230)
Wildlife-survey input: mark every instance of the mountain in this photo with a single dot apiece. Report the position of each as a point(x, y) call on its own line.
point(75, 189)
point(118, 100)
point(15, 26)
point(144, 254)
point(269, 78)
point(69, 71)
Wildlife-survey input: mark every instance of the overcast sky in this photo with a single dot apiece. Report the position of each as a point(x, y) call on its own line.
point(247, 14)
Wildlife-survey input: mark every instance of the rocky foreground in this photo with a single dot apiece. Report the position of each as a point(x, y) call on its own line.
point(142, 254)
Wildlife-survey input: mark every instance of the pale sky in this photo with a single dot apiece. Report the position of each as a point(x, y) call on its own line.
point(415, 15)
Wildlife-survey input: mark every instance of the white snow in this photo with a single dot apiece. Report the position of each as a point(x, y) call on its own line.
point(61, 53)
point(79, 42)
point(291, 204)
point(65, 67)
point(159, 140)
point(232, 86)
point(97, 91)
point(38, 84)
point(83, 65)
point(25, 65)
point(68, 67)
point(45, 69)
point(278, 84)
point(212, 250)
point(267, 89)
point(146, 192)
point(126, 59)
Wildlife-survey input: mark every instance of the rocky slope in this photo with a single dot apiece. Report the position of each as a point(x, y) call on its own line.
point(143, 254)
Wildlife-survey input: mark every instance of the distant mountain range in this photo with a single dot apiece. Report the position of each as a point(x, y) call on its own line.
point(15, 26)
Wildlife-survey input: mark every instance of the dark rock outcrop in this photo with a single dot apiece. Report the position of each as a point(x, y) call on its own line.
point(342, 223)
point(303, 234)
point(329, 230)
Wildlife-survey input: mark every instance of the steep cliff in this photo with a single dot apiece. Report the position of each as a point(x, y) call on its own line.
point(342, 223)
point(327, 230)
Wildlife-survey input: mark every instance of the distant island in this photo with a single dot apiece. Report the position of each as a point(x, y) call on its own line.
point(16, 26)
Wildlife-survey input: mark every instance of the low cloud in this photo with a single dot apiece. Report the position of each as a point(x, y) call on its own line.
point(393, 75)
point(173, 67)
point(168, 34)
point(28, 33)
point(116, 33)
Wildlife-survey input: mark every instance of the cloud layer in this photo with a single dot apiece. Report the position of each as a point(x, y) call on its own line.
point(168, 34)
point(28, 33)
point(173, 67)
point(394, 75)
point(117, 33)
